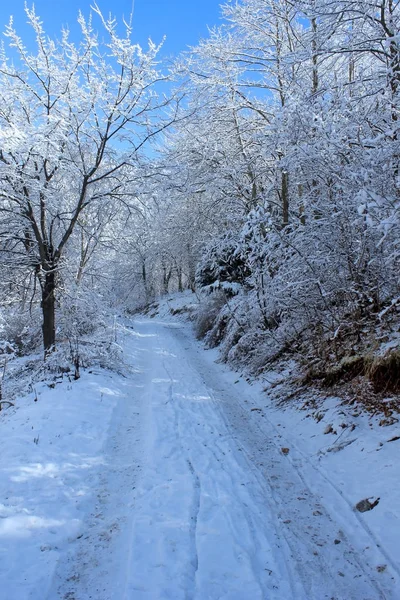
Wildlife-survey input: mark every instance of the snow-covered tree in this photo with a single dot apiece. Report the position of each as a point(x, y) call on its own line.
point(73, 119)
point(301, 159)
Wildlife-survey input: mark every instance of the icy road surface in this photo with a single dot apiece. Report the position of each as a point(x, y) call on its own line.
point(192, 500)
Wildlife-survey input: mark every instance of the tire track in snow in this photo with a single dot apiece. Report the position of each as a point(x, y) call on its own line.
point(195, 508)
point(308, 541)
point(249, 520)
point(193, 524)
point(319, 473)
point(304, 538)
point(210, 472)
point(343, 497)
point(94, 566)
point(244, 527)
point(228, 464)
point(347, 551)
point(217, 512)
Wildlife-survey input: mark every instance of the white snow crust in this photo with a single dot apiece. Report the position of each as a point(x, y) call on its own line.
point(169, 482)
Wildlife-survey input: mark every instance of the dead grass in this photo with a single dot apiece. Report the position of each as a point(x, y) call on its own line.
point(348, 368)
point(384, 372)
point(366, 383)
point(360, 396)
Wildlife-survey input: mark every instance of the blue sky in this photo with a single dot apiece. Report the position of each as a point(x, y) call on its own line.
point(184, 22)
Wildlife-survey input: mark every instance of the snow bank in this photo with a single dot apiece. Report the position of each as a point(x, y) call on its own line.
point(50, 445)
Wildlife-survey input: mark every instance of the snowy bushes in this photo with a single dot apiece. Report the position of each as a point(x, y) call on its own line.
point(222, 265)
point(20, 330)
point(308, 287)
point(69, 357)
point(81, 313)
point(298, 184)
point(291, 193)
point(208, 312)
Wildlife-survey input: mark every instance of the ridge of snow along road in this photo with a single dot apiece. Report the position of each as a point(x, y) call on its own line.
point(164, 483)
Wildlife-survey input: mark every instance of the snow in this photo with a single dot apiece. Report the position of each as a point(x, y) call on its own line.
point(168, 481)
point(51, 456)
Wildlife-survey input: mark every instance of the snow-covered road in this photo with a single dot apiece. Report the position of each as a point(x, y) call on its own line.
point(187, 494)
point(196, 502)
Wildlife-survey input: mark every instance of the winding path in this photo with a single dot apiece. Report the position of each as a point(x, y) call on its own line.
point(197, 502)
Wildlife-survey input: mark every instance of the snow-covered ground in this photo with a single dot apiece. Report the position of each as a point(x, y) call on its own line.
point(179, 480)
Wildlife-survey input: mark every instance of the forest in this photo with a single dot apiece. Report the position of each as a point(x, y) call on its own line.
point(200, 307)
point(259, 169)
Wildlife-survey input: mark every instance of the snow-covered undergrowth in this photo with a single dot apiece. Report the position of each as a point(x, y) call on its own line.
point(87, 337)
point(361, 360)
point(184, 304)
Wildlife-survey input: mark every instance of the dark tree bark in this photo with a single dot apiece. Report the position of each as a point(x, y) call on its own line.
point(167, 272)
point(48, 310)
point(180, 281)
point(285, 198)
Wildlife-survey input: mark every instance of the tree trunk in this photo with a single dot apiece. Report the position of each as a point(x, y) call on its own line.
point(166, 278)
point(315, 77)
point(191, 268)
point(48, 309)
point(144, 282)
point(180, 282)
point(285, 198)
